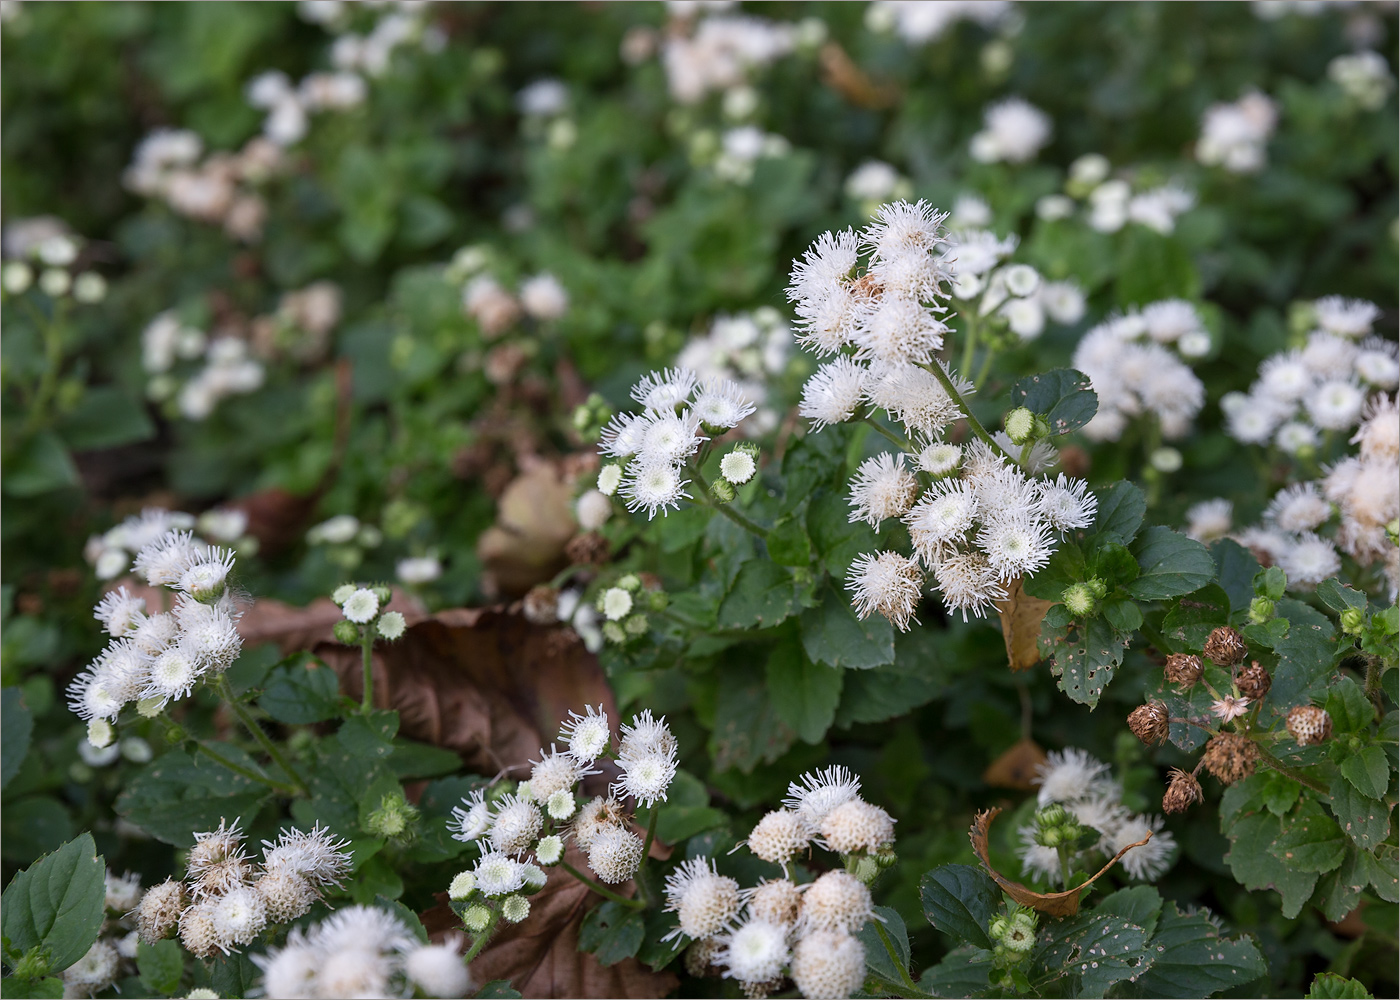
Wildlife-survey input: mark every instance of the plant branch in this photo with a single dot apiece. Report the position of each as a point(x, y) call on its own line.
point(966, 410)
point(894, 438)
point(726, 509)
point(239, 769)
point(244, 716)
point(602, 890)
point(1289, 772)
point(366, 655)
point(646, 854)
point(481, 939)
point(894, 957)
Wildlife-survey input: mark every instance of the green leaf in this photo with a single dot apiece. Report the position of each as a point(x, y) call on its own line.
point(788, 544)
point(1122, 507)
point(1382, 870)
point(48, 987)
point(1347, 704)
point(422, 760)
point(1140, 905)
point(300, 690)
point(747, 730)
point(1364, 819)
point(16, 725)
point(1368, 771)
point(233, 975)
point(369, 736)
point(1122, 614)
point(612, 932)
point(105, 418)
point(1065, 397)
point(964, 972)
point(1339, 597)
point(1171, 564)
point(804, 694)
point(761, 596)
point(406, 916)
point(179, 793)
point(1113, 562)
point(655, 951)
point(1311, 841)
point(39, 465)
point(877, 956)
point(1306, 659)
point(57, 903)
point(1331, 986)
point(960, 901)
point(1235, 567)
point(1280, 792)
point(1271, 582)
point(1192, 959)
point(897, 688)
point(1190, 620)
point(1085, 659)
point(1098, 950)
point(1065, 568)
point(837, 538)
point(832, 634)
point(1255, 867)
point(160, 966)
point(499, 989)
point(1152, 267)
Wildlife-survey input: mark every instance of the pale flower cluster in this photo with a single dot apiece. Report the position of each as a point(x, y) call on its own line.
point(225, 366)
point(1303, 393)
point(658, 444)
point(719, 53)
point(1074, 779)
point(46, 243)
point(1013, 131)
point(1112, 202)
point(919, 22)
point(1235, 135)
point(301, 326)
point(739, 150)
point(1364, 76)
point(289, 106)
point(159, 656)
point(545, 810)
point(492, 305)
point(1137, 363)
point(361, 951)
point(220, 188)
point(226, 901)
point(747, 349)
point(370, 54)
point(1016, 294)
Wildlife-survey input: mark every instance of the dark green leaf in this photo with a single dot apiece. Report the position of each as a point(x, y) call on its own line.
point(1279, 792)
point(160, 966)
point(804, 694)
point(788, 544)
point(1140, 905)
point(1122, 507)
point(1368, 771)
point(233, 975)
point(1382, 870)
point(499, 989)
point(1364, 819)
point(179, 793)
point(877, 956)
point(1311, 841)
point(57, 903)
point(832, 634)
point(1085, 658)
point(836, 538)
point(612, 932)
point(421, 760)
point(1339, 890)
point(1065, 568)
point(300, 690)
point(1113, 562)
point(655, 951)
point(1170, 563)
point(1271, 582)
point(1065, 397)
point(1235, 567)
point(405, 915)
point(370, 735)
point(761, 596)
point(964, 972)
point(1122, 614)
point(1347, 704)
point(893, 689)
point(1306, 659)
point(1191, 619)
point(747, 729)
point(39, 465)
point(1192, 959)
point(960, 901)
point(105, 418)
point(1338, 596)
point(48, 987)
point(1255, 867)
point(1330, 986)
point(15, 726)
point(1099, 951)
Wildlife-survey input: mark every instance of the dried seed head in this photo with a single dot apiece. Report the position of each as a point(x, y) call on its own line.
point(1182, 790)
point(1149, 722)
point(197, 930)
point(588, 549)
point(159, 910)
point(1309, 724)
point(776, 901)
point(1183, 669)
point(1225, 647)
point(779, 836)
point(699, 958)
point(1231, 757)
point(541, 605)
point(1254, 681)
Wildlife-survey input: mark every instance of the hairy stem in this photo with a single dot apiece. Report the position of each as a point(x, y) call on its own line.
point(367, 663)
point(480, 941)
point(642, 885)
point(239, 769)
point(602, 890)
point(894, 957)
point(726, 509)
point(970, 344)
point(895, 439)
point(244, 716)
point(966, 411)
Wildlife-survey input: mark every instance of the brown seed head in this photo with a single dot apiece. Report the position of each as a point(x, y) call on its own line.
point(588, 548)
point(1309, 724)
point(700, 958)
point(1225, 647)
point(1231, 757)
point(1149, 722)
point(541, 605)
point(1254, 681)
point(1183, 669)
point(1182, 790)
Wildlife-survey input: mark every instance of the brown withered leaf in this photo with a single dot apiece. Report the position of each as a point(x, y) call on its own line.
point(1021, 615)
point(1016, 768)
point(540, 956)
point(1056, 904)
point(481, 681)
point(534, 521)
point(841, 74)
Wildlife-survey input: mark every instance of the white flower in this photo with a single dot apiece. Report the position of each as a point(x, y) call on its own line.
point(887, 582)
point(1298, 508)
point(1209, 520)
point(881, 488)
point(1063, 300)
point(120, 612)
point(737, 467)
point(873, 180)
point(609, 478)
point(173, 674)
point(498, 875)
point(646, 777)
point(550, 849)
point(1013, 131)
point(968, 583)
point(828, 964)
point(1234, 135)
point(316, 855)
point(1067, 504)
point(164, 560)
point(833, 393)
point(1015, 543)
point(587, 735)
point(1069, 775)
point(391, 625)
point(337, 531)
point(1336, 405)
point(95, 971)
point(815, 794)
point(754, 952)
point(417, 570)
point(721, 404)
point(361, 606)
point(1351, 318)
point(473, 822)
point(654, 484)
point(666, 389)
point(1309, 559)
point(515, 824)
point(836, 901)
point(615, 854)
point(941, 517)
point(543, 297)
point(615, 604)
point(203, 578)
point(239, 917)
point(1152, 859)
point(438, 970)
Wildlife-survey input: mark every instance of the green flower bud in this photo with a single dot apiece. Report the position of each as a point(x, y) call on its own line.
point(149, 708)
point(535, 878)
point(1353, 621)
point(515, 909)
point(657, 600)
point(1166, 460)
point(613, 632)
point(347, 633)
point(463, 885)
point(1392, 531)
point(582, 418)
point(477, 918)
point(636, 625)
point(630, 583)
point(1020, 425)
point(34, 965)
point(885, 857)
point(862, 867)
point(1261, 609)
point(1079, 600)
point(383, 592)
point(722, 490)
point(1048, 836)
point(393, 819)
point(1099, 588)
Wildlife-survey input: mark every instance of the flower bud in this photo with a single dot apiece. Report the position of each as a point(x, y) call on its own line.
point(657, 600)
point(515, 909)
point(1020, 425)
point(723, 491)
point(383, 592)
point(1166, 460)
point(393, 818)
point(636, 625)
point(476, 918)
point(347, 633)
point(1353, 621)
point(1079, 600)
point(550, 850)
point(614, 633)
point(1098, 586)
point(100, 733)
point(463, 885)
point(1254, 681)
point(1261, 610)
point(609, 479)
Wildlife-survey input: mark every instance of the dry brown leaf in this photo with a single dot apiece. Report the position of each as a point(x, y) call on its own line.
point(1016, 768)
point(534, 521)
point(1021, 615)
point(481, 681)
point(540, 956)
point(1056, 904)
point(842, 75)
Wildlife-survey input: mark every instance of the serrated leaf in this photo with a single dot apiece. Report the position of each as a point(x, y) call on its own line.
point(960, 901)
point(836, 538)
point(178, 793)
point(761, 596)
point(160, 966)
point(1170, 563)
point(877, 956)
point(1191, 958)
point(1382, 871)
point(1279, 792)
point(16, 725)
point(301, 690)
point(1364, 819)
point(1235, 567)
point(1339, 597)
point(1098, 949)
point(804, 694)
point(1255, 867)
point(788, 544)
point(612, 932)
point(233, 975)
point(1065, 568)
point(747, 730)
point(1063, 396)
point(1368, 770)
point(832, 634)
point(1339, 890)
point(964, 972)
point(370, 736)
point(1311, 841)
point(1350, 709)
point(1192, 618)
point(1122, 614)
point(1122, 506)
point(1306, 658)
point(1331, 986)
point(57, 903)
point(1141, 905)
point(1085, 658)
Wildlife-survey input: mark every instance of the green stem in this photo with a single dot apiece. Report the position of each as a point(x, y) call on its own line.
point(970, 344)
point(956, 397)
point(982, 372)
point(1154, 637)
point(895, 439)
point(894, 957)
point(244, 716)
point(481, 939)
point(366, 650)
point(602, 890)
point(726, 509)
point(1289, 772)
point(1064, 865)
point(642, 884)
point(239, 769)
point(49, 330)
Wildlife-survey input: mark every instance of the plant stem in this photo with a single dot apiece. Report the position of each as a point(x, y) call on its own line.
point(481, 939)
point(726, 509)
point(239, 769)
point(894, 957)
point(956, 397)
point(970, 344)
point(366, 648)
point(602, 890)
point(1064, 865)
point(1289, 772)
point(244, 716)
point(642, 885)
point(894, 438)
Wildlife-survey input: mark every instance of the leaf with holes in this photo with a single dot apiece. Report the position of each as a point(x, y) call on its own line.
point(1191, 958)
point(1084, 658)
point(1063, 396)
point(1097, 949)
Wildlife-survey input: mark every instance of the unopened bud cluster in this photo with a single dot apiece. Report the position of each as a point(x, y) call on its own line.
point(365, 620)
point(624, 607)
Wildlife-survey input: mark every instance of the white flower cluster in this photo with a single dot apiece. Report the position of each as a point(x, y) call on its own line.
point(219, 189)
point(658, 443)
point(1235, 135)
point(160, 656)
point(1135, 364)
point(363, 606)
point(1112, 202)
point(874, 182)
point(778, 928)
point(361, 951)
point(1353, 507)
point(1364, 76)
point(495, 309)
point(919, 22)
point(227, 369)
point(1016, 293)
point(290, 106)
point(1013, 131)
point(1303, 393)
point(981, 524)
point(370, 54)
point(1081, 784)
point(111, 552)
point(747, 349)
point(226, 901)
point(738, 149)
point(46, 243)
point(719, 53)
point(301, 326)
point(545, 810)
point(345, 537)
point(113, 954)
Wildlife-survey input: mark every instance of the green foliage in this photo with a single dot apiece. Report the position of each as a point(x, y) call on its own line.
point(56, 905)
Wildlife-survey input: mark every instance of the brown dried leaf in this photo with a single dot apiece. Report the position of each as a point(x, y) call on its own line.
point(1016, 768)
point(1056, 904)
point(277, 518)
point(481, 681)
point(842, 75)
point(540, 956)
point(535, 520)
point(1021, 615)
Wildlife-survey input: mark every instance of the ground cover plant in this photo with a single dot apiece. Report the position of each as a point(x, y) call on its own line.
point(699, 499)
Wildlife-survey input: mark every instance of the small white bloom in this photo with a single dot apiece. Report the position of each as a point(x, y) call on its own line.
point(609, 478)
point(738, 467)
point(417, 570)
point(587, 735)
point(361, 606)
